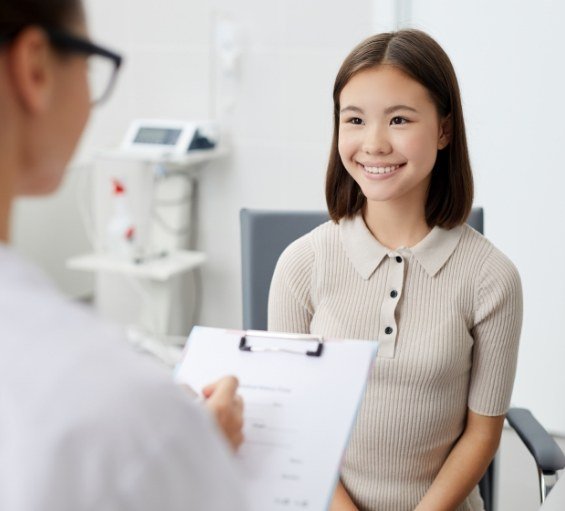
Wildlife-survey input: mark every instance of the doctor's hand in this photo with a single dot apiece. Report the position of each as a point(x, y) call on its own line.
point(227, 407)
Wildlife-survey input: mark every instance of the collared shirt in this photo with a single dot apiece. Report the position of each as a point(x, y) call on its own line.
point(86, 424)
point(366, 254)
point(447, 315)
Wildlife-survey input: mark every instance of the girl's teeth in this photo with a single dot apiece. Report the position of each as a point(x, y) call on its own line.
point(381, 170)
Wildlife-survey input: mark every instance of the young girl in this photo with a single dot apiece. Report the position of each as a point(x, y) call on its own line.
point(399, 264)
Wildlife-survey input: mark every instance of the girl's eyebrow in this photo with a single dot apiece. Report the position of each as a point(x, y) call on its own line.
point(387, 111)
point(351, 109)
point(394, 108)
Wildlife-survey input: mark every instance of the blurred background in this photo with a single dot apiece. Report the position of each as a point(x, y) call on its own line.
point(264, 70)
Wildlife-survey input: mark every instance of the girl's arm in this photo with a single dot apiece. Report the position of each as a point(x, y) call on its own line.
point(465, 465)
point(342, 501)
point(290, 308)
point(461, 471)
point(496, 332)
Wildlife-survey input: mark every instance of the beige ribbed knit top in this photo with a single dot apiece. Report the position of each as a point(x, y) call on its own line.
point(447, 314)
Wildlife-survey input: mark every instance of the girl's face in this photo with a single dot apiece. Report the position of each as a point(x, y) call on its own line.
point(389, 134)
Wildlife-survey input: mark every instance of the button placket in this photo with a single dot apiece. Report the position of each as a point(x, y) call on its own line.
point(394, 284)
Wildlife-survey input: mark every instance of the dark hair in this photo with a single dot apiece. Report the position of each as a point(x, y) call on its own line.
point(55, 14)
point(450, 194)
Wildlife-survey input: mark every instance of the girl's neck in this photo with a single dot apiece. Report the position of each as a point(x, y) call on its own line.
point(396, 224)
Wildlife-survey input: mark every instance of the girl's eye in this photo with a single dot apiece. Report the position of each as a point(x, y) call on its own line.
point(355, 120)
point(398, 120)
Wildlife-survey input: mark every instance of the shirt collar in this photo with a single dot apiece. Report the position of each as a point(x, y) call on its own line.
point(366, 253)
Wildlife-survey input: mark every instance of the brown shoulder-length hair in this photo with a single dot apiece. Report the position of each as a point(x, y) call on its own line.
point(450, 194)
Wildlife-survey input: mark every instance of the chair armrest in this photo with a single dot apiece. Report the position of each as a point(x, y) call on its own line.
point(547, 454)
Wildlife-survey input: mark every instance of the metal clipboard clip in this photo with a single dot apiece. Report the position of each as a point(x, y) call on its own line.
point(244, 346)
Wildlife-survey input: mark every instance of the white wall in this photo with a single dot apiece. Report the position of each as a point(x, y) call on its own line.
point(48, 230)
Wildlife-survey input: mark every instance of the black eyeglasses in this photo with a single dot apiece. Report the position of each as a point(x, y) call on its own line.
point(103, 64)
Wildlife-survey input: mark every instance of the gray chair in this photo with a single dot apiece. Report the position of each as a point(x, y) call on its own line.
point(264, 236)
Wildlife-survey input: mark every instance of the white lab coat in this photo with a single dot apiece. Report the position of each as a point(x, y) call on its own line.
point(86, 423)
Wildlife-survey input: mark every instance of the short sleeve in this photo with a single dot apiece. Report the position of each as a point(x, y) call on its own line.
point(496, 334)
point(290, 296)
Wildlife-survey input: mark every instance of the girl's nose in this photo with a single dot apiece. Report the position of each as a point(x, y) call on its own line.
point(376, 141)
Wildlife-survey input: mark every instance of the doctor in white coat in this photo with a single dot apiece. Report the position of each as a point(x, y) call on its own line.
point(85, 424)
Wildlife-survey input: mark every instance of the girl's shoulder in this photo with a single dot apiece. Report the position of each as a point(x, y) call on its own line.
point(492, 262)
point(300, 254)
point(316, 239)
point(477, 243)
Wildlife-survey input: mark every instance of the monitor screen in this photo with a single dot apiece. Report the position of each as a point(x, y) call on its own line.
point(160, 136)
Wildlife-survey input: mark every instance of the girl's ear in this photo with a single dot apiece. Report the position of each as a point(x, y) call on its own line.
point(445, 130)
point(31, 63)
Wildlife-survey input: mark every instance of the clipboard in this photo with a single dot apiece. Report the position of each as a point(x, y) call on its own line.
point(301, 395)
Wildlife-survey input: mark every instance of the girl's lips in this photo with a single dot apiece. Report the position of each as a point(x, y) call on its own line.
point(381, 172)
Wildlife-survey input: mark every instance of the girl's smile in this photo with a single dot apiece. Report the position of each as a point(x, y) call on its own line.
point(381, 170)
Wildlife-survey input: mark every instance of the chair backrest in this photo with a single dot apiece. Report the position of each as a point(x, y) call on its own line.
point(264, 236)
point(477, 220)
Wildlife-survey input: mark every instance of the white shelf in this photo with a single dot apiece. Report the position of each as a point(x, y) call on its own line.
point(161, 269)
point(172, 161)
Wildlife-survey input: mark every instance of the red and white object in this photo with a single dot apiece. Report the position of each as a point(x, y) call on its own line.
point(121, 232)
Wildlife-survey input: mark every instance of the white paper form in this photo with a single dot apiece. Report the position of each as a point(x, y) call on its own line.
point(299, 410)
